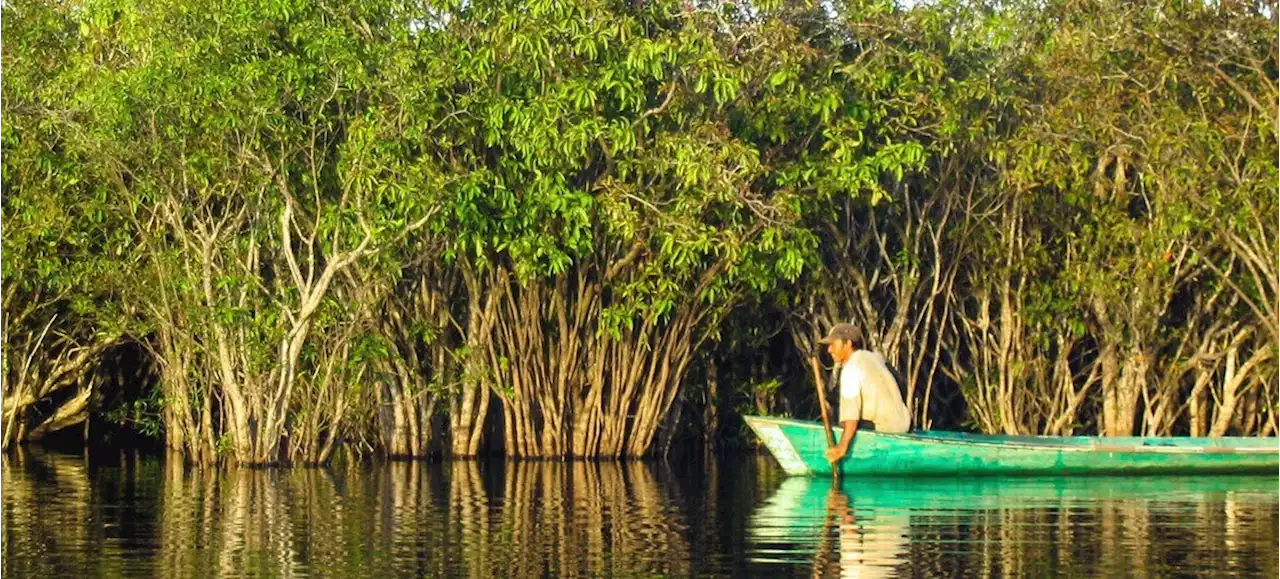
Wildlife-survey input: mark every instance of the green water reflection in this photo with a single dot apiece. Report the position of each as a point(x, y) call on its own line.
point(1072, 526)
point(737, 516)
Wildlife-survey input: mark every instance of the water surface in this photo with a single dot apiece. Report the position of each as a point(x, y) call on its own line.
point(135, 516)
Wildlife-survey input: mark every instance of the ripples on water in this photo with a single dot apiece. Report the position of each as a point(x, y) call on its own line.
point(737, 516)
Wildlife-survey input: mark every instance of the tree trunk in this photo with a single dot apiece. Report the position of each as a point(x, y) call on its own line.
point(468, 411)
point(1236, 378)
point(1128, 390)
point(711, 410)
point(74, 411)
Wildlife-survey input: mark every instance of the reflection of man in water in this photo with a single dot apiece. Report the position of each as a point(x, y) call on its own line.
point(806, 510)
point(872, 547)
point(869, 396)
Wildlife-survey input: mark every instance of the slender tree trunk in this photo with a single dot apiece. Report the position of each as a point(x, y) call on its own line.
point(711, 410)
point(1110, 390)
point(1236, 378)
point(1128, 390)
point(468, 410)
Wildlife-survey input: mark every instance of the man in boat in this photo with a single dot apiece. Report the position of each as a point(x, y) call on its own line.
point(869, 396)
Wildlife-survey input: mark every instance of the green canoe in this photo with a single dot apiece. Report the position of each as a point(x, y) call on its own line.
point(799, 447)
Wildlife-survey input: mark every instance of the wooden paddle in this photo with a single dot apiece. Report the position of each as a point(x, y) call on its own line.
point(822, 401)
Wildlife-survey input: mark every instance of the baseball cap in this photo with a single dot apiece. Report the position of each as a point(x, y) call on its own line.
point(846, 332)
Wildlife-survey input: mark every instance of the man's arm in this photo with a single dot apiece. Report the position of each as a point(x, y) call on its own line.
point(850, 409)
point(837, 452)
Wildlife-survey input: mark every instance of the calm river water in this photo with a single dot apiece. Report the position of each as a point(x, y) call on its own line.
point(132, 516)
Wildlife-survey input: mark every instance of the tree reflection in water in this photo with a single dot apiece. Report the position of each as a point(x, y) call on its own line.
point(462, 518)
point(136, 516)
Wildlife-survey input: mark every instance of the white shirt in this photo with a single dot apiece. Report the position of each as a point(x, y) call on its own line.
point(869, 392)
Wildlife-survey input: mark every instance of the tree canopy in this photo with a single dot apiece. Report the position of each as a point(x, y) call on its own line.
point(555, 228)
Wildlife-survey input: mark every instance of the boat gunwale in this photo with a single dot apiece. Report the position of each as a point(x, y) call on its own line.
point(1047, 446)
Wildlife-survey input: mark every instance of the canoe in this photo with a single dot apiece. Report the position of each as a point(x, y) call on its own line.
point(799, 446)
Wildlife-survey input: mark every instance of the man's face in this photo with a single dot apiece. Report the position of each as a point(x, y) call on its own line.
point(840, 350)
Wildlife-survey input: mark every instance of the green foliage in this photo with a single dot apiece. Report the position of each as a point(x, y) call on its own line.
point(193, 172)
point(144, 415)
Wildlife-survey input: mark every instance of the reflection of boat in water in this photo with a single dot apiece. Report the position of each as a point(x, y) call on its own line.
point(870, 520)
point(923, 494)
point(799, 447)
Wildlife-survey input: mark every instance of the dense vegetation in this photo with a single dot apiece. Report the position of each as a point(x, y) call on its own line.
point(588, 228)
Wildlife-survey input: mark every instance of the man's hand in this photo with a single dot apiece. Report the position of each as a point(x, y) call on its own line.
point(837, 452)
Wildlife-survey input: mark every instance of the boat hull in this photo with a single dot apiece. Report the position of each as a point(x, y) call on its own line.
point(799, 447)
